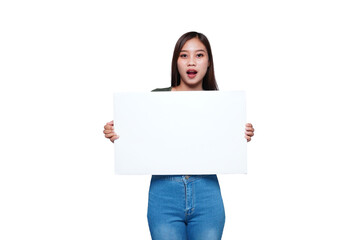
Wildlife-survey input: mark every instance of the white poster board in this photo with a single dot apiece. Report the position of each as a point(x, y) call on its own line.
point(187, 132)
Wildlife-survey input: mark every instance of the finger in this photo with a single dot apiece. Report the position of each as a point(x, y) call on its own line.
point(114, 138)
point(250, 129)
point(108, 127)
point(106, 131)
point(248, 125)
point(248, 138)
point(111, 123)
point(248, 133)
point(110, 135)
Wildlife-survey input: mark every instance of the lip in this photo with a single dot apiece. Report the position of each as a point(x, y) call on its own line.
point(191, 73)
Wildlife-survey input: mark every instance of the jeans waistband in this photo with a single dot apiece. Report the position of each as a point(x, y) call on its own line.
point(181, 178)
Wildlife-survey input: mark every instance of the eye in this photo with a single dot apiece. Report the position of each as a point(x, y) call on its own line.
point(183, 55)
point(200, 55)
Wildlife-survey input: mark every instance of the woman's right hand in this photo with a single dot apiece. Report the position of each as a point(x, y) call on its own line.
point(109, 131)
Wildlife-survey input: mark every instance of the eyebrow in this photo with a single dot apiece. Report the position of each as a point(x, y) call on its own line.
point(199, 50)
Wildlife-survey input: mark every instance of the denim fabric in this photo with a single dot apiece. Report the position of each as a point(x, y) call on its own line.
point(185, 208)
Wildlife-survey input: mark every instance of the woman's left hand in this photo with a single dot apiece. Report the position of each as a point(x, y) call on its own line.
point(249, 131)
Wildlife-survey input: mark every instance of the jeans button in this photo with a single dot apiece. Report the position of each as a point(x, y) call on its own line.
point(187, 177)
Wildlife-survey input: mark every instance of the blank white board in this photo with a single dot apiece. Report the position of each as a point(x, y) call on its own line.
point(187, 132)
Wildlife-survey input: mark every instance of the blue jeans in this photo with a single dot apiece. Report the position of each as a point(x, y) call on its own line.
point(185, 208)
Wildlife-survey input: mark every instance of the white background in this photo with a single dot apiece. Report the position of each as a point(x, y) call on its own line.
point(61, 61)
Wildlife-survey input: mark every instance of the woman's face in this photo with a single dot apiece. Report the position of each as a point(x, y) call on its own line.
point(193, 63)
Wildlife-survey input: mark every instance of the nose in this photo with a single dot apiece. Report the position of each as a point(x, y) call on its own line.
point(191, 61)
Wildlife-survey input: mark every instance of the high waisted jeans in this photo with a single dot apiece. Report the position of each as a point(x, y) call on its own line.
point(185, 208)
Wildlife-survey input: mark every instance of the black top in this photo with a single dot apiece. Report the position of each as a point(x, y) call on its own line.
point(161, 89)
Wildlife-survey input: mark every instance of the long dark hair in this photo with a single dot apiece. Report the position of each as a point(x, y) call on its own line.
point(209, 82)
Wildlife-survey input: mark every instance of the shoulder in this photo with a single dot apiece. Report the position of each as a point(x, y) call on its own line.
point(161, 89)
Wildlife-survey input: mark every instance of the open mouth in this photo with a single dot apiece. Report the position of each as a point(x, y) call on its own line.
point(191, 73)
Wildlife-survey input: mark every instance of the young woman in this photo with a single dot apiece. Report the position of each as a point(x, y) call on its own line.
point(187, 207)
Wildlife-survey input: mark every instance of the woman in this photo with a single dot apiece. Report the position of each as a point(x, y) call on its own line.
point(187, 207)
